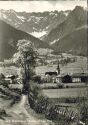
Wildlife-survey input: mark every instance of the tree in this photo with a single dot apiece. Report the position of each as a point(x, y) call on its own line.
point(26, 59)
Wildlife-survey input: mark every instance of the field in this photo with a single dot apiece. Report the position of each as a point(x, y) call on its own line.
point(8, 70)
point(65, 93)
point(77, 67)
point(64, 97)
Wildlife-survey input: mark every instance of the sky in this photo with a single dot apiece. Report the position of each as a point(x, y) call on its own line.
point(41, 6)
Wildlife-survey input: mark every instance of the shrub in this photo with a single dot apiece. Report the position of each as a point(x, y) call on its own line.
point(84, 113)
point(83, 109)
point(33, 93)
point(41, 104)
point(52, 112)
point(35, 89)
point(37, 79)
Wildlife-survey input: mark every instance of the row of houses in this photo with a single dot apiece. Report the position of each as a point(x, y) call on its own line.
point(66, 78)
point(54, 77)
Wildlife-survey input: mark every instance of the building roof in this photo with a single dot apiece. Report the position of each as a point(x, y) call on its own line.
point(50, 73)
point(80, 75)
point(61, 75)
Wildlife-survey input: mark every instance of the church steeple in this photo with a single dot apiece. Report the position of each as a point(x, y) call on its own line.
point(58, 68)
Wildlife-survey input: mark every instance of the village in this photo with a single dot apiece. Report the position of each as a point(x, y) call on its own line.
point(43, 63)
point(61, 80)
point(53, 71)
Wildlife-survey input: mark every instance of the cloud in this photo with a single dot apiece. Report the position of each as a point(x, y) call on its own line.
point(40, 6)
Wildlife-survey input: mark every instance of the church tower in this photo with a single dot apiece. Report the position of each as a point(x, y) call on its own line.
point(58, 68)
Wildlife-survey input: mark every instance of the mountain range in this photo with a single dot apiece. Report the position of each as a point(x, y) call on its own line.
point(64, 31)
point(37, 24)
point(71, 34)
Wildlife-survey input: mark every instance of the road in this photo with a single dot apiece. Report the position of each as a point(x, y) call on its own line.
point(18, 115)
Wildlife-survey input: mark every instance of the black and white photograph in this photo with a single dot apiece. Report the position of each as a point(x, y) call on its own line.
point(44, 62)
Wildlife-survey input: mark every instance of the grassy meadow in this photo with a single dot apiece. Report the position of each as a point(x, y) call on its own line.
point(77, 67)
point(65, 93)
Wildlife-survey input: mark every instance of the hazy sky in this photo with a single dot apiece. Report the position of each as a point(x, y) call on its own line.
point(40, 6)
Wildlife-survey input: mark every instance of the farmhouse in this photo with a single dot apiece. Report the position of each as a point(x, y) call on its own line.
point(51, 76)
point(11, 78)
point(51, 73)
point(80, 77)
point(64, 78)
point(59, 78)
point(74, 78)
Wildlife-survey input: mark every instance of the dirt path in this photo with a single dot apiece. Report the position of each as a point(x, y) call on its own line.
point(18, 115)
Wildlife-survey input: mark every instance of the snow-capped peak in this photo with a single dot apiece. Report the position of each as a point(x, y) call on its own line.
point(54, 41)
point(22, 18)
point(39, 34)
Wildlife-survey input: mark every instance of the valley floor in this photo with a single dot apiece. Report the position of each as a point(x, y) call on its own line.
point(21, 113)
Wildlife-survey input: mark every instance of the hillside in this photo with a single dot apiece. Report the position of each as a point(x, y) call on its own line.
point(58, 29)
point(70, 35)
point(75, 19)
point(9, 37)
point(75, 42)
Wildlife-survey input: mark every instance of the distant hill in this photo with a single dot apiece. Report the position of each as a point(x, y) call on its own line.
point(9, 37)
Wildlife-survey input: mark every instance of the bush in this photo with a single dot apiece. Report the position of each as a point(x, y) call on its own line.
point(2, 112)
point(37, 79)
point(84, 113)
point(35, 89)
point(34, 92)
point(52, 112)
point(41, 104)
point(83, 109)
point(31, 100)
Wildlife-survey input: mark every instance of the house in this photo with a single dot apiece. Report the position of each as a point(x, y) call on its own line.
point(63, 78)
point(51, 76)
point(59, 78)
point(51, 73)
point(67, 79)
point(11, 78)
point(74, 78)
point(80, 77)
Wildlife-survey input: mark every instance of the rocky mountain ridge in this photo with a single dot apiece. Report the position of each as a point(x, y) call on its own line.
point(37, 24)
point(67, 33)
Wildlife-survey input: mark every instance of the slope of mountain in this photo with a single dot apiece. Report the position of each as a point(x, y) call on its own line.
point(75, 42)
point(59, 29)
point(38, 24)
point(71, 34)
point(11, 17)
point(75, 19)
point(9, 37)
